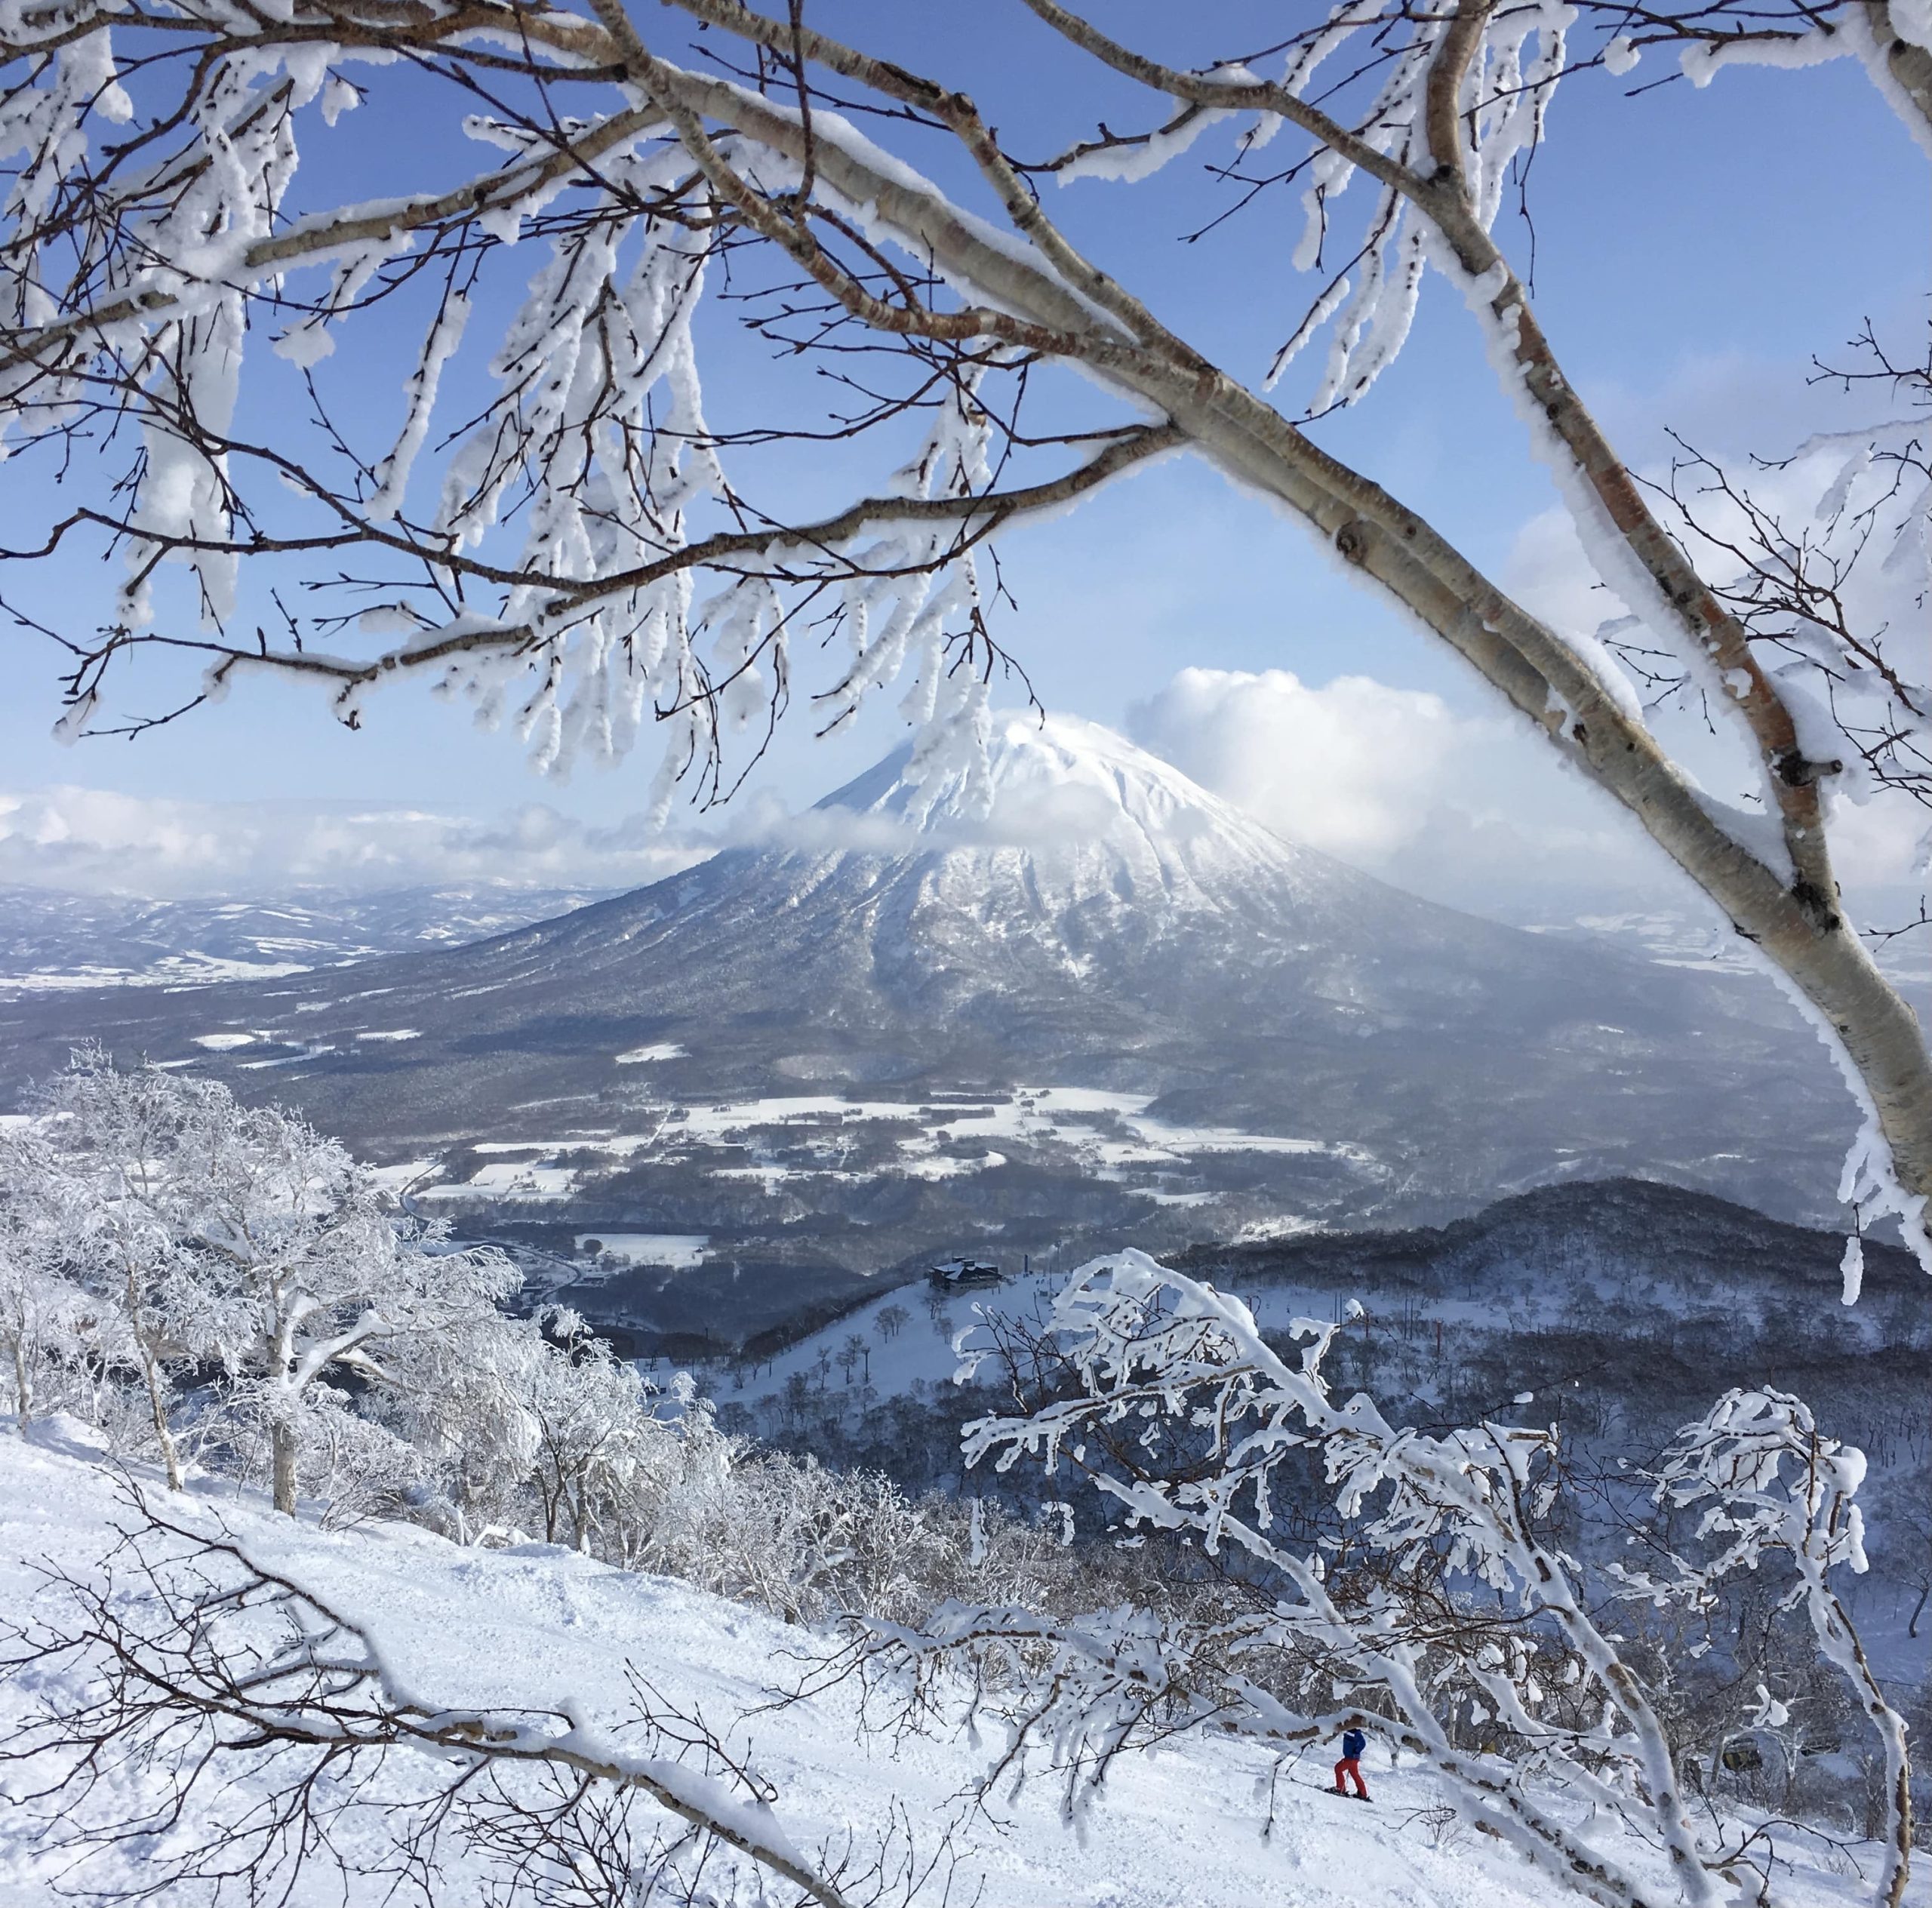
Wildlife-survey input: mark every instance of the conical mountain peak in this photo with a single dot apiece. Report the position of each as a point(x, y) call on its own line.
point(1041, 776)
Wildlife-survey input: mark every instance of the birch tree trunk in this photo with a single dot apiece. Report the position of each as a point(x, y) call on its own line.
point(285, 1450)
point(155, 1380)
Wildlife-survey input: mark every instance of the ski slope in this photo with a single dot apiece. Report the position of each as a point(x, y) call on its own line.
point(540, 1626)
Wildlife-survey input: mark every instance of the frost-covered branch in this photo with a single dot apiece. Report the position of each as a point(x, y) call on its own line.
point(820, 557)
point(551, 525)
point(193, 1657)
point(1355, 1574)
point(1763, 1481)
point(1436, 1593)
point(1825, 558)
point(1463, 99)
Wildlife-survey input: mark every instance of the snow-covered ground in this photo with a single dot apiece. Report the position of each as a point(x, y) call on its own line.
point(1113, 1135)
point(679, 1251)
point(921, 1352)
point(538, 1627)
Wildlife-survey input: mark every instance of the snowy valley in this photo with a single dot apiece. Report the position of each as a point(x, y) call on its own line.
point(336, 1562)
point(51, 941)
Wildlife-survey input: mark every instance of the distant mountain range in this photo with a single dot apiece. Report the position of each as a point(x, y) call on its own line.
point(51, 941)
point(1614, 1311)
point(1087, 997)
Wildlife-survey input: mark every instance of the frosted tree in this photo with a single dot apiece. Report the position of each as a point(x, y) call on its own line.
point(461, 1407)
point(1435, 1594)
point(303, 1271)
point(151, 1222)
point(103, 1181)
point(1764, 1483)
point(593, 1429)
point(49, 1324)
point(549, 525)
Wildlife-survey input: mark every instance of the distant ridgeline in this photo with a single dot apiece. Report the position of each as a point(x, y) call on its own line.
point(1615, 1309)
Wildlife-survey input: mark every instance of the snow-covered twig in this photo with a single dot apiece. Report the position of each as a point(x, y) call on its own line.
point(1764, 1481)
point(1437, 1596)
point(196, 1660)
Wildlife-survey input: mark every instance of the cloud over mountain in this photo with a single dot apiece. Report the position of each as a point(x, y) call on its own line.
point(1470, 810)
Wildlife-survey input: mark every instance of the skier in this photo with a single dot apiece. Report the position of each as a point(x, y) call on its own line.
point(1353, 1743)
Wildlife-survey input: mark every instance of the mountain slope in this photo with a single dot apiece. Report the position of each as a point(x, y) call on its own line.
point(1102, 923)
point(540, 1630)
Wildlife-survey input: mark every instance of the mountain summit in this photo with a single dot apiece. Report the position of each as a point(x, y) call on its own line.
point(1081, 865)
point(1076, 916)
point(1103, 822)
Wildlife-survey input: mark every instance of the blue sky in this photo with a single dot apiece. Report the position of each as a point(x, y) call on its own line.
point(1694, 248)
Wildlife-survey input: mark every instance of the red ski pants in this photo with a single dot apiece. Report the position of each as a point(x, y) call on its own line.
point(1348, 1766)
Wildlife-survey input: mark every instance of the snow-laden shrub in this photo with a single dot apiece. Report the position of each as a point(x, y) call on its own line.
point(1440, 1609)
point(214, 1284)
point(230, 1266)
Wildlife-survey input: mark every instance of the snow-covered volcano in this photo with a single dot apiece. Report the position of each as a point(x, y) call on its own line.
point(1072, 829)
point(1081, 915)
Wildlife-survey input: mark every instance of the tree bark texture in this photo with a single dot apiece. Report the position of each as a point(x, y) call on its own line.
point(282, 1446)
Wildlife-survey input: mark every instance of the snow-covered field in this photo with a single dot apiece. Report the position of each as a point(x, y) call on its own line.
point(57, 942)
point(1113, 1134)
point(679, 1251)
point(538, 1627)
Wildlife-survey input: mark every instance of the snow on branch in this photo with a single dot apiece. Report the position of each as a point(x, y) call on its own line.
point(151, 1228)
point(1440, 114)
point(1404, 1582)
point(1763, 1482)
point(283, 1739)
point(557, 578)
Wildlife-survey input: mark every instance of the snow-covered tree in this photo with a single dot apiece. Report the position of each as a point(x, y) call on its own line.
point(56, 1335)
point(1765, 1482)
point(583, 553)
point(1435, 1607)
point(462, 1409)
point(151, 1221)
point(596, 1438)
point(104, 1180)
point(303, 1271)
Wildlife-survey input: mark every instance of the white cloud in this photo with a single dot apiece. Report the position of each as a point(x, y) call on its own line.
point(1474, 810)
point(1351, 767)
point(96, 841)
point(1878, 834)
point(1471, 809)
